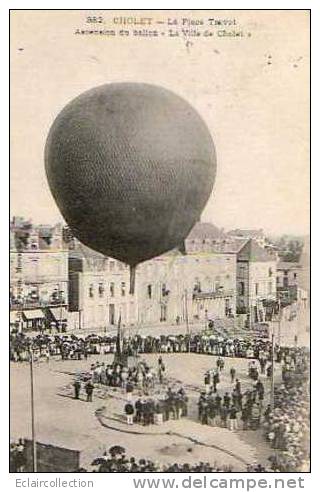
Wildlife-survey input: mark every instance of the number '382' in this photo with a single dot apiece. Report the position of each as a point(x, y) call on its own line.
point(94, 20)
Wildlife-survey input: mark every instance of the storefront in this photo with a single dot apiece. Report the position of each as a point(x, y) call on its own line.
point(57, 318)
point(34, 319)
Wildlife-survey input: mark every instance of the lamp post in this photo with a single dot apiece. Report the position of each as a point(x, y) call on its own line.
point(272, 350)
point(279, 322)
point(187, 317)
point(272, 371)
point(34, 443)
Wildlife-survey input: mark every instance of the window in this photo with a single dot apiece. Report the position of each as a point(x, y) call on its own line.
point(111, 266)
point(91, 291)
point(163, 315)
point(164, 290)
point(34, 293)
point(270, 272)
point(228, 310)
point(101, 289)
point(197, 285)
point(111, 314)
point(112, 289)
point(216, 285)
point(123, 289)
point(269, 287)
point(241, 288)
point(149, 290)
point(257, 289)
point(294, 275)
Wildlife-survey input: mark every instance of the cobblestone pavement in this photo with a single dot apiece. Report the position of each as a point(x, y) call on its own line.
point(94, 427)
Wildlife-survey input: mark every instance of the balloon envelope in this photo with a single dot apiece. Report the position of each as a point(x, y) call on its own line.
point(131, 167)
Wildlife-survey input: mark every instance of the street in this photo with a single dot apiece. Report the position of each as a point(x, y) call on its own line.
point(94, 427)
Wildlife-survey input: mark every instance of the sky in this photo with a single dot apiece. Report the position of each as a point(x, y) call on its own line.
point(253, 93)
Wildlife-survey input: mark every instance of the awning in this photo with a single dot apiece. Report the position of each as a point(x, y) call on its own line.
point(33, 314)
point(59, 313)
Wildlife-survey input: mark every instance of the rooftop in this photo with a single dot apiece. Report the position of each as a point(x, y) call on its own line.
point(205, 230)
point(253, 233)
point(251, 251)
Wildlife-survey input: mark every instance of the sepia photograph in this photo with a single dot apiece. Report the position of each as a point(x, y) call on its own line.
point(159, 241)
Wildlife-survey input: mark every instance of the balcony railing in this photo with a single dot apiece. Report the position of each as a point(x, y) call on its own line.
point(36, 303)
point(218, 294)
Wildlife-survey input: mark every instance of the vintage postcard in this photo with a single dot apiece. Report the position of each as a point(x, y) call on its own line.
point(159, 241)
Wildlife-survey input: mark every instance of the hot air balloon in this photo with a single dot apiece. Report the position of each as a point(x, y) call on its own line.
point(131, 167)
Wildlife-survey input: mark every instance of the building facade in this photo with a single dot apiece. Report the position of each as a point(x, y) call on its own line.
point(256, 281)
point(99, 291)
point(170, 289)
point(38, 277)
point(177, 288)
point(289, 280)
point(56, 281)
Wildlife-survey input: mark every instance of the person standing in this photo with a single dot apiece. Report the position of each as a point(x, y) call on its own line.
point(238, 386)
point(245, 417)
point(89, 391)
point(207, 382)
point(161, 369)
point(77, 388)
point(233, 418)
point(20, 456)
point(260, 390)
point(204, 412)
point(224, 413)
point(129, 390)
point(129, 411)
point(47, 355)
point(232, 374)
point(216, 380)
point(226, 400)
point(138, 406)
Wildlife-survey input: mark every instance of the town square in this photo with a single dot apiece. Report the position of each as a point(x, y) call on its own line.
point(159, 297)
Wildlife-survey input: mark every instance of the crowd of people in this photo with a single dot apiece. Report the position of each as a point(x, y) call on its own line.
point(146, 411)
point(116, 461)
point(235, 410)
point(287, 426)
point(17, 456)
point(120, 375)
point(78, 347)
